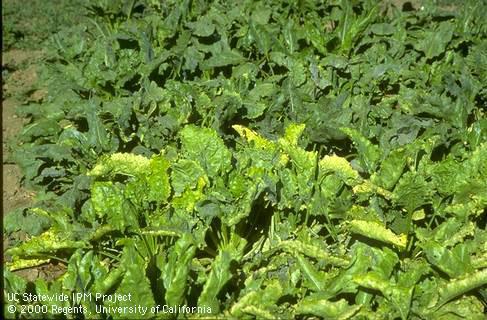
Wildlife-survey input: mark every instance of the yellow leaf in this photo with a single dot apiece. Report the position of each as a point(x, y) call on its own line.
point(377, 231)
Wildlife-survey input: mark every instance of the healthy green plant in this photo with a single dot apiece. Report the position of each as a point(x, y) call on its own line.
point(262, 159)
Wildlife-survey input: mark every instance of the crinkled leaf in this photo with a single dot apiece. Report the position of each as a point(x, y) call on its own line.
point(207, 148)
point(48, 243)
point(377, 231)
point(327, 309)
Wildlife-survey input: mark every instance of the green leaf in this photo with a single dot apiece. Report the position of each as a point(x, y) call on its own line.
point(203, 27)
point(369, 154)
point(14, 283)
point(185, 175)
point(316, 278)
point(107, 283)
point(382, 29)
point(29, 222)
point(54, 288)
point(466, 307)
point(399, 296)
point(434, 42)
point(412, 191)
point(223, 58)
point(97, 134)
point(454, 262)
point(176, 270)
point(43, 128)
point(135, 284)
point(220, 272)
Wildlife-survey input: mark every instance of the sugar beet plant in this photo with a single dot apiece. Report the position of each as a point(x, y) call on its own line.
point(260, 159)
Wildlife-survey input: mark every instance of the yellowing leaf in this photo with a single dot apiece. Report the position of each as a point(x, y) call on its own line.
point(327, 309)
point(293, 132)
point(253, 136)
point(207, 148)
point(295, 246)
point(377, 231)
point(158, 180)
point(19, 263)
point(457, 287)
point(366, 187)
point(46, 243)
point(418, 215)
point(339, 165)
point(258, 302)
point(125, 163)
